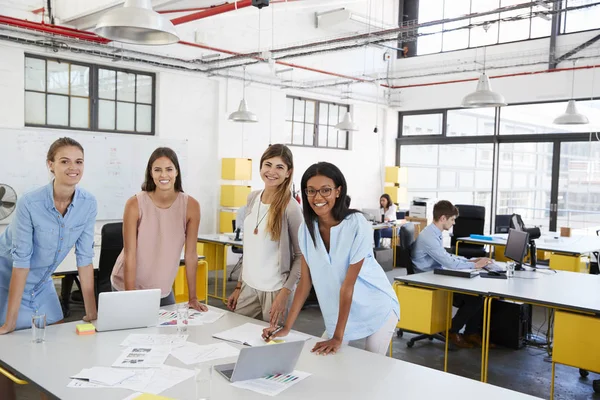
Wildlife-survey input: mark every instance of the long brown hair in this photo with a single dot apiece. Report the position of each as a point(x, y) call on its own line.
point(283, 194)
point(149, 185)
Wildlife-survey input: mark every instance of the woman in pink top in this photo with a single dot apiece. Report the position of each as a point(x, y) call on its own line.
point(156, 224)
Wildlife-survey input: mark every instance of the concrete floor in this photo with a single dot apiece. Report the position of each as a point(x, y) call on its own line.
point(527, 370)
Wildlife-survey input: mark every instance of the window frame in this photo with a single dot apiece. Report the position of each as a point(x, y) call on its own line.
point(315, 123)
point(94, 98)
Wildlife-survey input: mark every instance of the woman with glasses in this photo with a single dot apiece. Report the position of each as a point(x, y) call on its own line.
point(271, 264)
point(355, 295)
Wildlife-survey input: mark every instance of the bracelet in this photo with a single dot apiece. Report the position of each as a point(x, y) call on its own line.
point(237, 288)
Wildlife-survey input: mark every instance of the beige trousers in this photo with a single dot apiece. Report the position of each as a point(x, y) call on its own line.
point(255, 303)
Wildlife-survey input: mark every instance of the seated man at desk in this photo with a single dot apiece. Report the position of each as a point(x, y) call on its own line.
point(429, 253)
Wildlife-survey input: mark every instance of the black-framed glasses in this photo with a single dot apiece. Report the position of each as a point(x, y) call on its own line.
point(324, 192)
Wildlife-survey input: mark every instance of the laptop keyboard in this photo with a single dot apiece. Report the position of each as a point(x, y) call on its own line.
point(228, 373)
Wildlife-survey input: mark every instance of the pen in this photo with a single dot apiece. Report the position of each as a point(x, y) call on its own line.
point(274, 332)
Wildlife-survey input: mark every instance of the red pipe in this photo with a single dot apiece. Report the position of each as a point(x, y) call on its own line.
point(183, 10)
point(54, 29)
point(212, 11)
point(545, 71)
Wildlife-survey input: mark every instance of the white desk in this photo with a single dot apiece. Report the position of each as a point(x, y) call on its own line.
point(575, 245)
point(215, 250)
point(344, 375)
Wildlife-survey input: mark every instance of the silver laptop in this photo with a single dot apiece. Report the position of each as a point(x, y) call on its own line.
point(261, 361)
point(128, 309)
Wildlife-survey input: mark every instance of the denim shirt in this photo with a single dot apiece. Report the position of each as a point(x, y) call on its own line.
point(429, 253)
point(39, 237)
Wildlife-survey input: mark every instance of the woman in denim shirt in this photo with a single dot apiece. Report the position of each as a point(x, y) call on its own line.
point(48, 222)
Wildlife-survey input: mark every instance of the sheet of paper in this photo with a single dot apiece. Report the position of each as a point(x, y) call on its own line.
point(103, 375)
point(76, 383)
point(192, 353)
point(272, 385)
point(167, 377)
point(196, 318)
point(143, 357)
point(137, 382)
point(141, 340)
point(250, 334)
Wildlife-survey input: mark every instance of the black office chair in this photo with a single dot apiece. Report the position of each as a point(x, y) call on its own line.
point(471, 219)
point(236, 250)
point(403, 254)
point(110, 248)
point(502, 223)
point(594, 266)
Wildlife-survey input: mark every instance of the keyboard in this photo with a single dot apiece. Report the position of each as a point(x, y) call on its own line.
point(228, 373)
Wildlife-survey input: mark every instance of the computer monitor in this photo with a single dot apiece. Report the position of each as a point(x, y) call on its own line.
point(516, 246)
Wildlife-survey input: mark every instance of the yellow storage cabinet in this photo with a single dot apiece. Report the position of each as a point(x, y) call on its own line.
point(225, 218)
point(236, 169)
point(396, 175)
point(234, 195)
point(397, 194)
point(422, 310)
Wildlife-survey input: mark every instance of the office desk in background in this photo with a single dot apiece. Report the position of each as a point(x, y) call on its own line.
point(395, 226)
point(214, 248)
point(342, 375)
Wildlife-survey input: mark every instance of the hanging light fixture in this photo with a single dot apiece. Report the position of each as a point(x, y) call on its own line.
point(483, 96)
point(243, 114)
point(571, 115)
point(346, 124)
point(137, 23)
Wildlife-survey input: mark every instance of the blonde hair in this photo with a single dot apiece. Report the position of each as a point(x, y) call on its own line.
point(283, 193)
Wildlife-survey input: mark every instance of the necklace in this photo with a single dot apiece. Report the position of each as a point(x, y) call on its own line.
point(258, 214)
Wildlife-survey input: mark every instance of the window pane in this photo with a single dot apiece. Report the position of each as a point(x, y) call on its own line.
point(511, 31)
point(333, 115)
point(289, 109)
point(125, 116)
point(582, 19)
point(524, 182)
point(470, 122)
point(298, 133)
point(323, 113)
point(342, 139)
point(287, 134)
point(310, 111)
point(540, 26)
point(143, 118)
point(479, 35)
point(106, 84)
point(422, 124)
point(125, 86)
point(455, 38)
point(579, 187)
point(58, 77)
point(35, 74)
point(323, 135)
point(144, 89)
point(538, 118)
point(35, 108)
point(309, 138)
point(106, 114)
point(80, 80)
point(430, 40)
point(298, 110)
point(58, 110)
point(332, 138)
point(80, 112)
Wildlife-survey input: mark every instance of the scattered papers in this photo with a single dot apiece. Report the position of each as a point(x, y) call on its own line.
point(141, 340)
point(143, 357)
point(103, 375)
point(251, 335)
point(137, 382)
point(192, 353)
point(196, 318)
point(272, 385)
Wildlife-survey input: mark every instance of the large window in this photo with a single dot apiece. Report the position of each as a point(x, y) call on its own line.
point(312, 123)
point(580, 18)
point(64, 94)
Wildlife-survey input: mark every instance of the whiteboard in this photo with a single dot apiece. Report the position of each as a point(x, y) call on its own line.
point(114, 163)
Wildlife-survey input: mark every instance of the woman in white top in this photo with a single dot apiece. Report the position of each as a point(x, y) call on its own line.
point(271, 264)
point(388, 213)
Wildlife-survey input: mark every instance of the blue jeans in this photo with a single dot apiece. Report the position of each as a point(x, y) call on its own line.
point(379, 233)
point(165, 301)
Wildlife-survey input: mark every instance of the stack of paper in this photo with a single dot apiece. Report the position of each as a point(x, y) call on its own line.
point(143, 357)
point(192, 353)
point(272, 385)
point(251, 335)
point(196, 318)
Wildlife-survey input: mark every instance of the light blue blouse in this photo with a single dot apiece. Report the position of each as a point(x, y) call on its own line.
point(373, 301)
point(39, 238)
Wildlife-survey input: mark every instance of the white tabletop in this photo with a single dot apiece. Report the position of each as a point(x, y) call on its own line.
point(343, 375)
point(567, 290)
point(220, 239)
point(568, 245)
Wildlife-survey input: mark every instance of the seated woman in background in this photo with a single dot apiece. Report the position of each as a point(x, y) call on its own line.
point(356, 298)
point(388, 211)
point(48, 222)
point(157, 222)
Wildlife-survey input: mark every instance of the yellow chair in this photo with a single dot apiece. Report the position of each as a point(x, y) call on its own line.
point(180, 287)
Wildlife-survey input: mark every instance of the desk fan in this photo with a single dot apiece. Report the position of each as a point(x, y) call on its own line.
point(8, 200)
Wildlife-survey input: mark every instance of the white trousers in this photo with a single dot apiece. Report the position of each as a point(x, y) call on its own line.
point(379, 341)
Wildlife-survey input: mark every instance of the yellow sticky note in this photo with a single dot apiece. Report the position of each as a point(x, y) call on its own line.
point(85, 329)
point(276, 341)
point(148, 396)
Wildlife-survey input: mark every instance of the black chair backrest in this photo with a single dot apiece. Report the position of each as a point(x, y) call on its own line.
point(111, 247)
point(233, 225)
point(502, 223)
point(471, 219)
point(407, 240)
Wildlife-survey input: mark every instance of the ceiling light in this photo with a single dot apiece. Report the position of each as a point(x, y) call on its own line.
point(243, 114)
point(347, 124)
point(483, 96)
point(137, 23)
point(571, 115)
